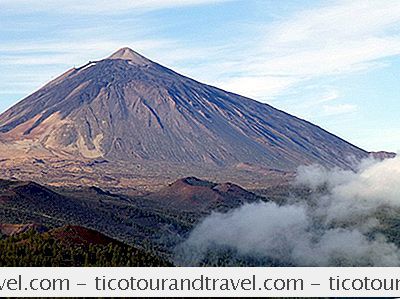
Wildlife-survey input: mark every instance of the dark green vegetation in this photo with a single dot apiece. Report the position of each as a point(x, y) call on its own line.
point(227, 257)
point(72, 246)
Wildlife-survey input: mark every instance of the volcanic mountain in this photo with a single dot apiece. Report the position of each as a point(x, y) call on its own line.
point(128, 109)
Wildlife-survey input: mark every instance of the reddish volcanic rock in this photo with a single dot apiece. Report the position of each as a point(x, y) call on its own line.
point(79, 235)
point(195, 194)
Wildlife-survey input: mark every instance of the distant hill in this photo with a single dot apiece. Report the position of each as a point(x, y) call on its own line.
point(194, 194)
point(382, 155)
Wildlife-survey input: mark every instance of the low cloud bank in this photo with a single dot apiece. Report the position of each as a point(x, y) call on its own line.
point(338, 224)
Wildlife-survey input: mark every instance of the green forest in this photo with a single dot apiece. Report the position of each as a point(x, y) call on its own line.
point(32, 249)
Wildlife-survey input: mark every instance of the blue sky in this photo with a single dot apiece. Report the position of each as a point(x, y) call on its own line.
point(334, 63)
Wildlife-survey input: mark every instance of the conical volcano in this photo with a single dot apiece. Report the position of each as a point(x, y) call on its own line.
point(130, 55)
point(131, 109)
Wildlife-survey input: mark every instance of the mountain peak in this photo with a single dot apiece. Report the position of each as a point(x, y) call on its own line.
point(130, 55)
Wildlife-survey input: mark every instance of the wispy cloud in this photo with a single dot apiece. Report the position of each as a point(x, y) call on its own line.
point(319, 103)
point(312, 43)
point(261, 87)
point(329, 110)
point(98, 6)
point(344, 37)
point(64, 52)
point(339, 38)
point(329, 96)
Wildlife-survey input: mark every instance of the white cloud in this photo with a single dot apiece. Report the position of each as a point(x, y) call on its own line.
point(258, 87)
point(339, 38)
point(329, 96)
point(329, 110)
point(98, 6)
point(339, 226)
point(325, 97)
point(68, 51)
point(339, 56)
point(338, 20)
point(307, 45)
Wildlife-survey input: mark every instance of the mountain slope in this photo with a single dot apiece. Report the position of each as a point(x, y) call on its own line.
point(128, 108)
